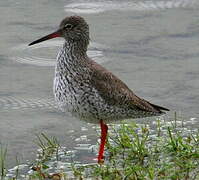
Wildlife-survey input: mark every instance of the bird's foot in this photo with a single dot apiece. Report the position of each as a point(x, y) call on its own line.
point(101, 161)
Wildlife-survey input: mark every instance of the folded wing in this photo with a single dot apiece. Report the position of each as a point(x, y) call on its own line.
point(117, 93)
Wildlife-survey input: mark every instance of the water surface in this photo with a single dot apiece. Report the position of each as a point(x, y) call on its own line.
point(153, 46)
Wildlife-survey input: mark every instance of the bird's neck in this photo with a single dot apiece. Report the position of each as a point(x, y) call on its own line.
point(71, 55)
point(75, 48)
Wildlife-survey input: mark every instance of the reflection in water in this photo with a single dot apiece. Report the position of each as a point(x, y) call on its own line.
point(97, 7)
point(26, 54)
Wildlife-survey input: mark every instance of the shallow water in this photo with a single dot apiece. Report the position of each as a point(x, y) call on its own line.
point(151, 45)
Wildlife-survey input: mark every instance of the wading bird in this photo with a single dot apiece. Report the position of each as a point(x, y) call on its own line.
point(88, 90)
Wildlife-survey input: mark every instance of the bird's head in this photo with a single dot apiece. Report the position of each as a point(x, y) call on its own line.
point(72, 29)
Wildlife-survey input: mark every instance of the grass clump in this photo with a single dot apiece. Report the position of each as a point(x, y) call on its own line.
point(134, 153)
point(48, 146)
point(3, 152)
point(167, 151)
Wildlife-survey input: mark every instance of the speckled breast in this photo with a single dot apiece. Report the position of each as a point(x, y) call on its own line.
point(72, 90)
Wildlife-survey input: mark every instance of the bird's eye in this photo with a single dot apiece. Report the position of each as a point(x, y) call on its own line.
point(68, 26)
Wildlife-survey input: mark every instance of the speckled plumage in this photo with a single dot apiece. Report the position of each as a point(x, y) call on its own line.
point(89, 91)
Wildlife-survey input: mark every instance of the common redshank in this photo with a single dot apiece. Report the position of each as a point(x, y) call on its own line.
point(88, 90)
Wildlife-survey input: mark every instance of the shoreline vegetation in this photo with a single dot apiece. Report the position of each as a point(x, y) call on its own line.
point(169, 150)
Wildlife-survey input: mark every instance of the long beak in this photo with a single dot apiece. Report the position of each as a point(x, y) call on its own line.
point(49, 36)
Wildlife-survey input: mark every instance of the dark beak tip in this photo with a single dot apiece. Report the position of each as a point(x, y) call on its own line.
point(30, 44)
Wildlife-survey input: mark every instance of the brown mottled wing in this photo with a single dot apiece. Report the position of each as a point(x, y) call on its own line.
point(115, 92)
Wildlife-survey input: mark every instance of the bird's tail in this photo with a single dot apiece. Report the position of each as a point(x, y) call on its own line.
point(159, 108)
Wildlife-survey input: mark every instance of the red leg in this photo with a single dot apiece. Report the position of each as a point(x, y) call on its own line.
point(104, 130)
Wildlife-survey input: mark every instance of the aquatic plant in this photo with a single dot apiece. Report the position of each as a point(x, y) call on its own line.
point(169, 150)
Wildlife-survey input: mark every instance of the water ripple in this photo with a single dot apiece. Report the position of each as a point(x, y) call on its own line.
point(98, 7)
point(8, 103)
point(47, 51)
